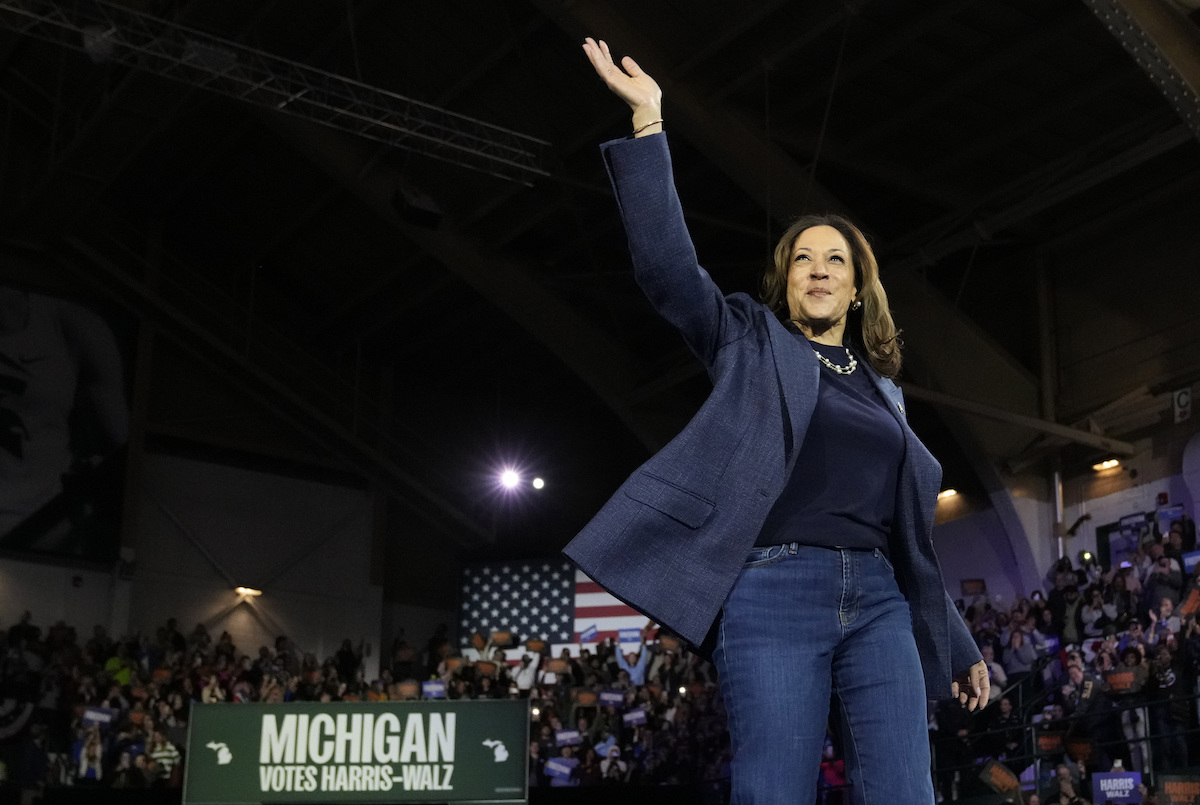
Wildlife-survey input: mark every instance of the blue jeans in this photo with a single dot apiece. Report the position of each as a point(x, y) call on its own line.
point(803, 623)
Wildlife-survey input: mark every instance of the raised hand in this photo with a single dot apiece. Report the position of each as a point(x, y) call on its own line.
point(632, 84)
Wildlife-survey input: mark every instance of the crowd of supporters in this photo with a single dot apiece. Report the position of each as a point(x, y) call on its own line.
point(1104, 668)
point(114, 713)
point(642, 713)
point(1106, 663)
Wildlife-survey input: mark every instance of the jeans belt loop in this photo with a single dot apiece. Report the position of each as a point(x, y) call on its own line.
point(793, 546)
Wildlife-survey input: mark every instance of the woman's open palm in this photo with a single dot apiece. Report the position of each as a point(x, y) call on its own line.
point(632, 85)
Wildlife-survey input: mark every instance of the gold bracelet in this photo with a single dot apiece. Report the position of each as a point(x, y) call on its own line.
point(648, 125)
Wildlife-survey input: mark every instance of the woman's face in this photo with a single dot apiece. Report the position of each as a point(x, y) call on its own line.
point(820, 279)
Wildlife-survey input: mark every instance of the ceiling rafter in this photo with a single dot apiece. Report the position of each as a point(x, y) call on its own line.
point(895, 42)
point(1040, 37)
point(226, 67)
point(1033, 119)
point(902, 179)
point(513, 288)
point(1164, 43)
point(112, 99)
point(819, 21)
point(983, 228)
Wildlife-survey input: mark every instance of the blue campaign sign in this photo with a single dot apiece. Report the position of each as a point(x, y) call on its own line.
point(100, 716)
point(589, 634)
point(634, 716)
point(560, 766)
point(433, 690)
point(567, 738)
point(1190, 560)
point(612, 698)
point(630, 635)
point(1116, 786)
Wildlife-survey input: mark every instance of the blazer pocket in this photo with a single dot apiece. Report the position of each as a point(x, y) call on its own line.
point(673, 501)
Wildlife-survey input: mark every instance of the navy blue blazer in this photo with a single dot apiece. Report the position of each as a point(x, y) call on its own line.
point(672, 540)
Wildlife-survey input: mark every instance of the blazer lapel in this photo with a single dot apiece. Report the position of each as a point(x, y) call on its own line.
point(799, 390)
point(919, 464)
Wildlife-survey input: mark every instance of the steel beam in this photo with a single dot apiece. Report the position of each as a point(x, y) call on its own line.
point(1164, 43)
point(110, 32)
point(1114, 446)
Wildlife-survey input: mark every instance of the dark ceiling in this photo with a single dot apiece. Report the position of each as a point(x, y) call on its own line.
point(336, 297)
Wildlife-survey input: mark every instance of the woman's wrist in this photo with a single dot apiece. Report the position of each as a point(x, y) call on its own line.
point(647, 120)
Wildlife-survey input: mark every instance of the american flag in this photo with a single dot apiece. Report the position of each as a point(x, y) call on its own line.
point(545, 599)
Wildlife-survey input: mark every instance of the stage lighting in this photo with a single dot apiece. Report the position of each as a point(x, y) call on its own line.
point(538, 483)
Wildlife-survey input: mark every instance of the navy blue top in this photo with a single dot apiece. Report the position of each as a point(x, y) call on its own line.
point(842, 491)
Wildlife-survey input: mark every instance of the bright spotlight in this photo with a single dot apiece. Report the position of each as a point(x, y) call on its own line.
point(248, 592)
point(947, 493)
point(538, 483)
point(1106, 465)
point(509, 479)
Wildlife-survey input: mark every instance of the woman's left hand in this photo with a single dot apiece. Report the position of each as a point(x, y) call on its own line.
point(972, 687)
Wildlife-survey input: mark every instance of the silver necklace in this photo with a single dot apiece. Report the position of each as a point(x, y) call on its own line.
point(848, 369)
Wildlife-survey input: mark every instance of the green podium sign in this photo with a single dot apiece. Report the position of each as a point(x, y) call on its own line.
point(357, 752)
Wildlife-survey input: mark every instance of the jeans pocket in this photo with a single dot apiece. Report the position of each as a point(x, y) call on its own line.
point(886, 561)
point(761, 557)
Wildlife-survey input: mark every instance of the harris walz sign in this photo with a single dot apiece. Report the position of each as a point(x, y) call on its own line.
point(357, 752)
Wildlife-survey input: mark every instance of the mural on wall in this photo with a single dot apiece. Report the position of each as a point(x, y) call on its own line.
point(64, 424)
